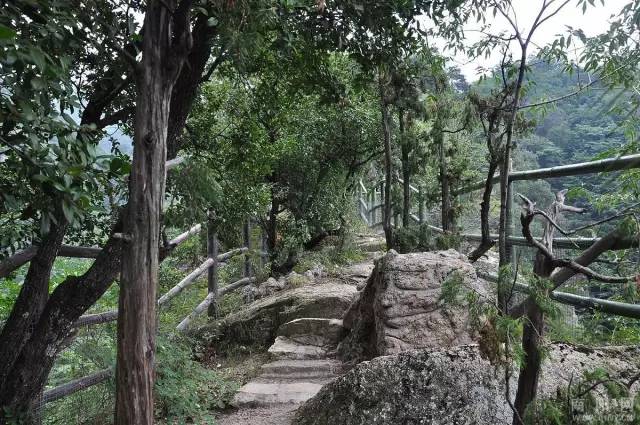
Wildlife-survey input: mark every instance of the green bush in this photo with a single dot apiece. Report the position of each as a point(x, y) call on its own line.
point(184, 387)
point(413, 239)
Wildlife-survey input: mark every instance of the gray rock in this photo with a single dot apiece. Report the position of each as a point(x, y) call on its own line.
point(314, 331)
point(401, 307)
point(454, 386)
point(316, 272)
point(286, 348)
point(257, 323)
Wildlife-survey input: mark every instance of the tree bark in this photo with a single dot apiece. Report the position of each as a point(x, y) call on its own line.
point(68, 301)
point(23, 319)
point(533, 330)
point(446, 208)
point(406, 174)
point(485, 207)
point(24, 372)
point(504, 176)
point(165, 46)
point(386, 136)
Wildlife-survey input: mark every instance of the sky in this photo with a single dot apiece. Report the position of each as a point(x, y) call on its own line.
point(595, 21)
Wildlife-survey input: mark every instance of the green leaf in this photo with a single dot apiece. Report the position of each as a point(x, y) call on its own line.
point(38, 58)
point(6, 32)
point(67, 210)
point(37, 83)
point(212, 22)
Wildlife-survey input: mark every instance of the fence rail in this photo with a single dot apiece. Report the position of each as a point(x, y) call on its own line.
point(210, 265)
point(601, 166)
point(368, 207)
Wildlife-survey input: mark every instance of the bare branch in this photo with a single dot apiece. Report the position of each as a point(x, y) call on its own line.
point(526, 219)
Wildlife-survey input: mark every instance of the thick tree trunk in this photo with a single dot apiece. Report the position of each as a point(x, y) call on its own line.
point(68, 301)
point(186, 87)
point(165, 42)
point(23, 372)
point(386, 135)
point(24, 317)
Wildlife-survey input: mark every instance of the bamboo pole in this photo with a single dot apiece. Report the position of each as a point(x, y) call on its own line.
point(601, 166)
point(110, 316)
point(605, 306)
point(10, 264)
point(96, 319)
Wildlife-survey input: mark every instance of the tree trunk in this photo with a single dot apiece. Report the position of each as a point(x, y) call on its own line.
point(485, 206)
point(386, 133)
point(533, 328)
point(68, 301)
point(272, 229)
point(212, 272)
point(406, 174)
point(23, 319)
point(23, 372)
point(446, 212)
point(165, 45)
point(504, 177)
point(532, 333)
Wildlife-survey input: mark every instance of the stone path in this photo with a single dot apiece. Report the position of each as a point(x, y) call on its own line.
point(304, 359)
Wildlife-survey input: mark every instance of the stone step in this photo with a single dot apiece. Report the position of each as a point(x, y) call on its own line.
point(317, 378)
point(291, 367)
point(285, 348)
point(313, 331)
point(263, 394)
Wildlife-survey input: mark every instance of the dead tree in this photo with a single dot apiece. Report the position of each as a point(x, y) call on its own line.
point(545, 265)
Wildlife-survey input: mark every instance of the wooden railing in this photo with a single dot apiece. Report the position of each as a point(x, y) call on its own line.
point(211, 265)
point(367, 205)
point(367, 198)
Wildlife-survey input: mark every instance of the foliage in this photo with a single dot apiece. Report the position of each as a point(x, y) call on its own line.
point(452, 290)
point(184, 388)
point(594, 398)
point(45, 150)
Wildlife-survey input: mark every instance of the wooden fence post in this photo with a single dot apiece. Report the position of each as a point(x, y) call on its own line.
point(382, 201)
point(509, 220)
point(212, 272)
point(264, 250)
point(372, 205)
point(420, 206)
point(246, 233)
point(247, 243)
point(359, 199)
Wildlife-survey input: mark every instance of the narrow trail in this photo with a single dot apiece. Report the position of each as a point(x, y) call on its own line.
point(304, 360)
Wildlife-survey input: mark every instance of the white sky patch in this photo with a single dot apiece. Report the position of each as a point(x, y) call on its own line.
point(595, 21)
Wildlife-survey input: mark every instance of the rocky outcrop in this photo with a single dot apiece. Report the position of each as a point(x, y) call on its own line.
point(257, 323)
point(454, 386)
point(412, 301)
